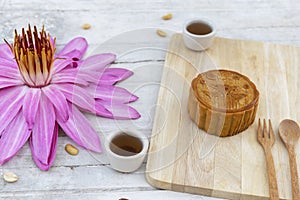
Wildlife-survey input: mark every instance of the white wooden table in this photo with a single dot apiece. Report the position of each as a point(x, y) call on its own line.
point(88, 175)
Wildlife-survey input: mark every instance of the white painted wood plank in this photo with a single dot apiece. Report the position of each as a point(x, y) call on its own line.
point(82, 178)
point(274, 22)
point(108, 195)
point(154, 5)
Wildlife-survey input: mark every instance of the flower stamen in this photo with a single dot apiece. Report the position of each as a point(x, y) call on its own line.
point(34, 54)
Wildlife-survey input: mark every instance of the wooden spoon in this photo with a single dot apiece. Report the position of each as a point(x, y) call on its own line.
point(289, 133)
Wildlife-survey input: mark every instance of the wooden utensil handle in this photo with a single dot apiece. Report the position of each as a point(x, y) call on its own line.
point(271, 175)
point(294, 174)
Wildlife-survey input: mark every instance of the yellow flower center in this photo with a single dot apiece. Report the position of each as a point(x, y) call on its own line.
point(34, 53)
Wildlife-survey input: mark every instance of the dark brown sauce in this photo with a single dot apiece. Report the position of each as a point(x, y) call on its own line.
point(199, 28)
point(126, 145)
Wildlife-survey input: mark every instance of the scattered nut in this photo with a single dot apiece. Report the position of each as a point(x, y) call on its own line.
point(10, 177)
point(161, 33)
point(71, 149)
point(167, 17)
point(86, 26)
point(123, 199)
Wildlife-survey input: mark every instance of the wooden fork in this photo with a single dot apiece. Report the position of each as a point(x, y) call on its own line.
point(267, 139)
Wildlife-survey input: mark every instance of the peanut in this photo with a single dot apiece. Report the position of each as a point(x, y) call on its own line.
point(10, 177)
point(161, 33)
point(71, 149)
point(86, 26)
point(167, 17)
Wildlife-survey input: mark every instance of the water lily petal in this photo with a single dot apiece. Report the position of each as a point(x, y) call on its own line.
point(78, 95)
point(89, 76)
point(74, 55)
point(119, 110)
point(74, 49)
point(114, 75)
point(59, 101)
point(113, 93)
point(30, 105)
point(60, 63)
point(80, 131)
point(12, 100)
point(12, 73)
point(8, 63)
point(102, 111)
point(13, 137)
point(52, 155)
point(7, 59)
point(76, 75)
point(5, 52)
point(98, 62)
point(69, 76)
point(8, 82)
point(44, 135)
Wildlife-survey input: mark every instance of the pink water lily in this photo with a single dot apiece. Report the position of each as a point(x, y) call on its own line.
point(41, 91)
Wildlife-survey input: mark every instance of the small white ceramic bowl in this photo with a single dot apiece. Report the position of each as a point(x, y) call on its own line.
point(126, 163)
point(198, 42)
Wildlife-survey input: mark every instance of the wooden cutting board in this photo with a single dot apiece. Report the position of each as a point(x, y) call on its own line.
point(185, 159)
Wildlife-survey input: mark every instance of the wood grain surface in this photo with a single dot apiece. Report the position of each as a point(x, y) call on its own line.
point(184, 158)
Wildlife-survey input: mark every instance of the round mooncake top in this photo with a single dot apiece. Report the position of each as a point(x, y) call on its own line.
point(225, 91)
